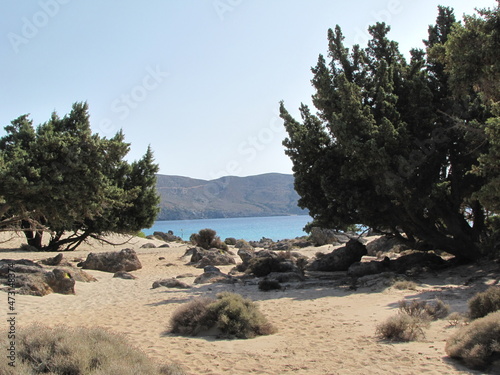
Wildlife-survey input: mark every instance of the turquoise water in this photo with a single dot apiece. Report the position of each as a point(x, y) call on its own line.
point(248, 228)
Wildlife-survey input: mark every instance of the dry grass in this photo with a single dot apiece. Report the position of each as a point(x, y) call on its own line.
point(425, 310)
point(478, 344)
point(405, 285)
point(78, 351)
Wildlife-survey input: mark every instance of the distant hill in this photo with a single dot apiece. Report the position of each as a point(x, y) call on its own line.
point(269, 194)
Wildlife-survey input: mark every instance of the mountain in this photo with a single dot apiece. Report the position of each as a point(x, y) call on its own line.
point(269, 194)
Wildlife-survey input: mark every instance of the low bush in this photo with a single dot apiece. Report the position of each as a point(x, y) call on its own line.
point(230, 241)
point(230, 313)
point(402, 327)
point(78, 351)
point(192, 318)
point(405, 285)
point(485, 302)
point(425, 310)
point(266, 285)
point(207, 239)
point(478, 344)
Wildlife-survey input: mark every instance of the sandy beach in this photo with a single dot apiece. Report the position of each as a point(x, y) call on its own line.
point(322, 329)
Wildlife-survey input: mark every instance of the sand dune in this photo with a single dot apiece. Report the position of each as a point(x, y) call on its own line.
point(321, 329)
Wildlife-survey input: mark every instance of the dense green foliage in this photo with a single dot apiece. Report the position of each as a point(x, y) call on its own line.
point(393, 146)
point(63, 180)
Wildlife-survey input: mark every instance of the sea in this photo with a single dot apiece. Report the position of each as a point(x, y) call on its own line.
point(247, 228)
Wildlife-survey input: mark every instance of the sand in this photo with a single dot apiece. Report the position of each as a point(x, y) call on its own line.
point(321, 329)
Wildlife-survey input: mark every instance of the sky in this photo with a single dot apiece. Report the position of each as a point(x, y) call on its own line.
point(200, 81)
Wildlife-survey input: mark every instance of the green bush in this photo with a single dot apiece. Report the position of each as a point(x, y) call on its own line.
point(484, 303)
point(207, 239)
point(78, 351)
point(230, 313)
point(478, 344)
point(402, 327)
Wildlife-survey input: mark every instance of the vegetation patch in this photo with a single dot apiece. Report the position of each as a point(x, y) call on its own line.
point(478, 344)
point(484, 303)
point(79, 351)
point(402, 327)
point(231, 314)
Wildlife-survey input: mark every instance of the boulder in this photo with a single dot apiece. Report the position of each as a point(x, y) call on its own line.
point(214, 277)
point(262, 266)
point(339, 259)
point(285, 277)
point(55, 261)
point(386, 244)
point(124, 260)
point(246, 254)
point(215, 258)
point(416, 259)
point(170, 283)
point(167, 237)
point(360, 269)
point(148, 245)
point(60, 281)
point(322, 236)
point(269, 284)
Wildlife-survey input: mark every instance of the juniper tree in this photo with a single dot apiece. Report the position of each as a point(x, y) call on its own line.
point(390, 146)
point(62, 180)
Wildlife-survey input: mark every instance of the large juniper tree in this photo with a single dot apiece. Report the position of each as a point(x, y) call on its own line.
point(391, 147)
point(62, 180)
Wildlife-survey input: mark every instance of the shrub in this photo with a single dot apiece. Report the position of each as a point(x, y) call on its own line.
point(477, 344)
point(239, 317)
point(484, 303)
point(207, 239)
point(192, 318)
point(266, 285)
point(405, 285)
point(74, 351)
point(402, 327)
point(424, 310)
point(230, 313)
point(230, 241)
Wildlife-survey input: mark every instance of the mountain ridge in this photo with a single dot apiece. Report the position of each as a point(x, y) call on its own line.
point(269, 194)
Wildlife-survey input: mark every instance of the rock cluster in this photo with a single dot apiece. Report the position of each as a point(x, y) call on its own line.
point(114, 261)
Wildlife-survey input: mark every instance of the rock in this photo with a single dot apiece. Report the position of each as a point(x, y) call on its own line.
point(170, 283)
point(242, 244)
point(214, 277)
point(211, 269)
point(55, 261)
point(148, 245)
point(246, 254)
point(185, 275)
point(124, 260)
point(322, 236)
point(410, 260)
point(34, 279)
point(60, 281)
point(339, 259)
point(161, 258)
point(385, 244)
point(263, 266)
point(360, 269)
point(124, 275)
point(164, 245)
point(167, 237)
point(285, 277)
point(213, 258)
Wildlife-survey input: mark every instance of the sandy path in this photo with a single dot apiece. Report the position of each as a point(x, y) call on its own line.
point(321, 329)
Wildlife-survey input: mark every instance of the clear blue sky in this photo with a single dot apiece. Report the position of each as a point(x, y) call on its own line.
point(198, 80)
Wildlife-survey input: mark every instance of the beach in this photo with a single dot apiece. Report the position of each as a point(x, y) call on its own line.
point(322, 329)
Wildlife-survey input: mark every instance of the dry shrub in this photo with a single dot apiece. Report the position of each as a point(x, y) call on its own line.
point(485, 302)
point(192, 318)
point(425, 310)
point(78, 351)
point(405, 285)
point(402, 327)
point(230, 313)
point(477, 344)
